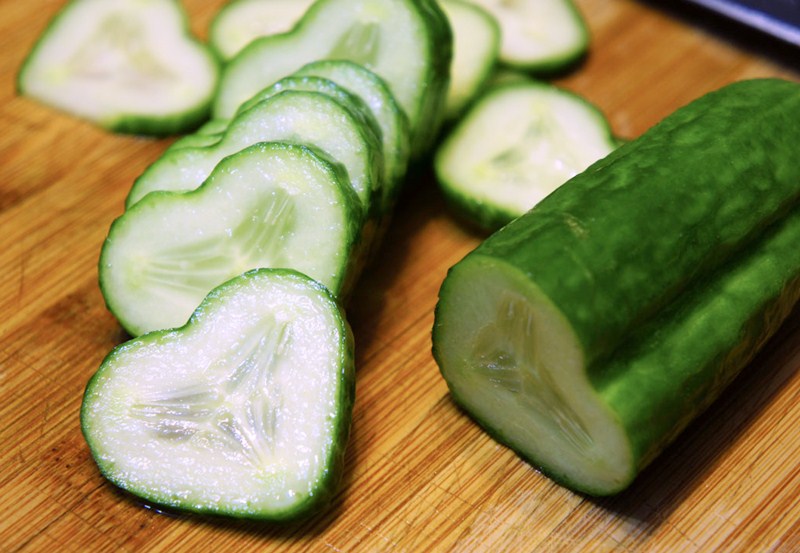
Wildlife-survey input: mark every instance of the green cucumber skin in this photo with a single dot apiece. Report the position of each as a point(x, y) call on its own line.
point(674, 258)
point(654, 187)
point(702, 341)
point(328, 488)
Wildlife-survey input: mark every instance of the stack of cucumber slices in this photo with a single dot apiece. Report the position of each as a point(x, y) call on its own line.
point(238, 247)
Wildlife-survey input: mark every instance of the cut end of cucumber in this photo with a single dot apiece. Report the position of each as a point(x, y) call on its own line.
point(515, 365)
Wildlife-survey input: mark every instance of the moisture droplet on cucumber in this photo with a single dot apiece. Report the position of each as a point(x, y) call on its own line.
point(516, 144)
point(270, 205)
point(244, 411)
point(127, 65)
point(587, 333)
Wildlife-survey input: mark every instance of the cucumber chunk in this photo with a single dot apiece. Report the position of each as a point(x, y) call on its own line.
point(239, 22)
point(476, 46)
point(127, 65)
point(517, 144)
point(270, 205)
point(300, 117)
point(406, 42)
point(392, 120)
point(244, 411)
point(589, 332)
point(542, 36)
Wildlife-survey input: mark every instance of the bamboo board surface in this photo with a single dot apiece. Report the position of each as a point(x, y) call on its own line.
point(420, 476)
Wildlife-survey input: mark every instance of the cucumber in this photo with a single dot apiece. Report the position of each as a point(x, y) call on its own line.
point(302, 117)
point(517, 144)
point(392, 120)
point(208, 134)
point(406, 42)
point(270, 205)
point(540, 36)
point(239, 22)
point(476, 46)
point(129, 66)
point(245, 411)
point(587, 333)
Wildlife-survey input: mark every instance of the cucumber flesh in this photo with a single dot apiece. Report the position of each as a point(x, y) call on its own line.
point(476, 45)
point(587, 333)
point(406, 42)
point(245, 411)
point(513, 362)
point(240, 22)
point(126, 65)
point(517, 144)
point(270, 205)
point(539, 35)
point(300, 117)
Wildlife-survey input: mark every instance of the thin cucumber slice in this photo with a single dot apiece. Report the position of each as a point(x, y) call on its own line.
point(476, 46)
point(244, 412)
point(270, 205)
point(539, 35)
point(589, 332)
point(406, 42)
point(207, 135)
point(300, 117)
point(517, 144)
point(127, 65)
point(239, 22)
point(390, 117)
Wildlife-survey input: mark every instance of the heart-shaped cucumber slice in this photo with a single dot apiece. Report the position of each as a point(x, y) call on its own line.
point(244, 411)
point(270, 205)
point(127, 65)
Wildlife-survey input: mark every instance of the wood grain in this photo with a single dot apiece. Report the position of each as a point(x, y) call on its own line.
point(420, 476)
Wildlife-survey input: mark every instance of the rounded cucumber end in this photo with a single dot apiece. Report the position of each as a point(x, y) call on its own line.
point(512, 362)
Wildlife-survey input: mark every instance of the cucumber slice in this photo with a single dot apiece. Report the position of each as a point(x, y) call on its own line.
point(245, 411)
point(476, 46)
point(406, 42)
point(517, 144)
point(239, 22)
point(207, 135)
point(393, 122)
point(589, 332)
point(270, 205)
point(539, 35)
point(127, 65)
point(300, 117)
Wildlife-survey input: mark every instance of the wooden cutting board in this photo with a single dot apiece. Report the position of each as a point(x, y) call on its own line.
point(420, 476)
